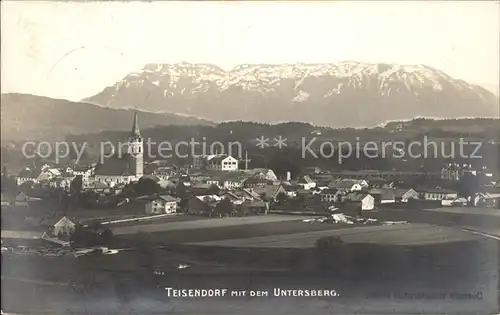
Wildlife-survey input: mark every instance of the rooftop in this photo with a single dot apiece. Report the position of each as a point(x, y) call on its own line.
point(117, 166)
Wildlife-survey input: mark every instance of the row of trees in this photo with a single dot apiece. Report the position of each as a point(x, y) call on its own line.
point(93, 235)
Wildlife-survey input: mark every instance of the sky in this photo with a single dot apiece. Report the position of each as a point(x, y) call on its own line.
point(74, 50)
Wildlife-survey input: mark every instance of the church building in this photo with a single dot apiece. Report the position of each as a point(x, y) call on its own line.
point(124, 167)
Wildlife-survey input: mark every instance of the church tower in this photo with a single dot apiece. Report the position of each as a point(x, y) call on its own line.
point(136, 148)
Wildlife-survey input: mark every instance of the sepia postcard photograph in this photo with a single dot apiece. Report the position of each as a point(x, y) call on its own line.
point(250, 157)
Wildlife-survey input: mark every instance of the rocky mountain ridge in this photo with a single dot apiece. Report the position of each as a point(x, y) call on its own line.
point(338, 95)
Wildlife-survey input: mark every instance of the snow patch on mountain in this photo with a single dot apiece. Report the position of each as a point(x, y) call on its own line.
point(270, 91)
point(301, 97)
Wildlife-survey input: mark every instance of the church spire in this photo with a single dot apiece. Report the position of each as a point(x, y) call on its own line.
point(135, 126)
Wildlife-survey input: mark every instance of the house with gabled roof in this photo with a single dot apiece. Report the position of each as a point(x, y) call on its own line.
point(404, 195)
point(265, 173)
point(349, 185)
point(226, 181)
point(98, 187)
point(383, 195)
point(379, 182)
point(48, 173)
point(251, 193)
point(330, 195)
point(204, 204)
point(306, 182)
point(256, 181)
point(116, 170)
point(270, 192)
point(64, 227)
point(221, 162)
point(365, 201)
point(163, 204)
point(86, 171)
point(241, 195)
point(486, 200)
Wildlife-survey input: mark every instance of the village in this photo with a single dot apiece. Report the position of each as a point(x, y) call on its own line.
point(261, 157)
point(127, 190)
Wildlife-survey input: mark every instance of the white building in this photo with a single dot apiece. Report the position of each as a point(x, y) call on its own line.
point(264, 172)
point(365, 201)
point(64, 227)
point(403, 195)
point(47, 173)
point(86, 172)
point(221, 162)
point(350, 185)
point(27, 175)
point(226, 183)
point(330, 195)
point(306, 183)
point(437, 194)
point(368, 203)
point(162, 205)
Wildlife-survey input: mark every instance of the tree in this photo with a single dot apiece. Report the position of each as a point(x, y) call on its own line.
point(92, 235)
point(468, 186)
point(128, 190)
point(64, 201)
point(75, 188)
point(147, 186)
point(26, 186)
point(224, 208)
point(182, 192)
point(76, 185)
point(213, 190)
point(82, 237)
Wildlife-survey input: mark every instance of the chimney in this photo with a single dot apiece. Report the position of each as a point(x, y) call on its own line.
point(288, 176)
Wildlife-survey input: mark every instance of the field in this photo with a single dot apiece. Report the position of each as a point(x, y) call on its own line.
point(374, 269)
point(204, 224)
point(469, 210)
point(388, 273)
point(399, 234)
point(200, 231)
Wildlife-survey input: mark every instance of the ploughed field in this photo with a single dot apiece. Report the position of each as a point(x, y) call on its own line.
point(372, 270)
point(367, 277)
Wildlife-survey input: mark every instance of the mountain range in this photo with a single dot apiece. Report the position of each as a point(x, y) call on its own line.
point(347, 94)
point(30, 117)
